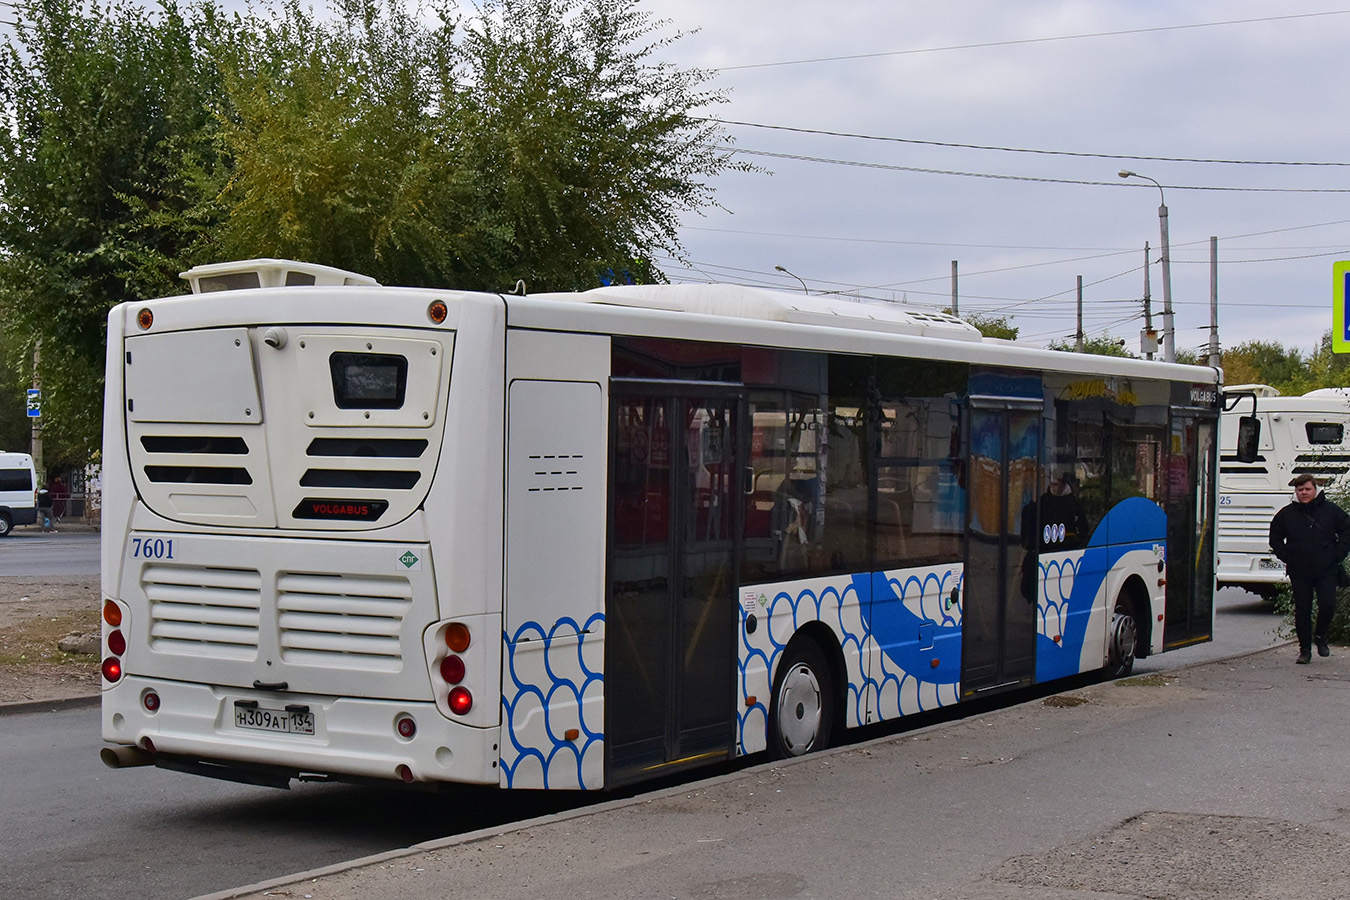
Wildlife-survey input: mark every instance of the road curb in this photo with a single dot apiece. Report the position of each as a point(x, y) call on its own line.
point(24, 707)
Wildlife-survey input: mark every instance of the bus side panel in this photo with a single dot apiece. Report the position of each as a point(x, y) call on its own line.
point(553, 634)
point(119, 495)
point(913, 640)
point(1078, 588)
point(780, 611)
point(899, 633)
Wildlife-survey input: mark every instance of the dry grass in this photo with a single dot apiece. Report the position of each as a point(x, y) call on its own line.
point(33, 641)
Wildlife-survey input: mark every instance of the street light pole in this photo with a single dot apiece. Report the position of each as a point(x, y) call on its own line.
point(786, 272)
point(1169, 329)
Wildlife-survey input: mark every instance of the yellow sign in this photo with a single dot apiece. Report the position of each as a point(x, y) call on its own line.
point(1340, 322)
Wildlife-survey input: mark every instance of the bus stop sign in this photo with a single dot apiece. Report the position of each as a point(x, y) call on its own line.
point(34, 403)
point(1340, 319)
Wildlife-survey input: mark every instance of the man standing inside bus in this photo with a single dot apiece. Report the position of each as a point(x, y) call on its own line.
point(1311, 535)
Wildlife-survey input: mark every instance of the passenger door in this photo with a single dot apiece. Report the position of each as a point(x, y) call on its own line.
point(998, 648)
point(671, 614)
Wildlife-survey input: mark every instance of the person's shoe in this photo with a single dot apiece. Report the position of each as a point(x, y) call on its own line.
point(1322, 648)
point(1304, 657)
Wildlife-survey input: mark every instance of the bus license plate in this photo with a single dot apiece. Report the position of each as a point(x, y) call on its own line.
point(278, 720)
point(1270, 564)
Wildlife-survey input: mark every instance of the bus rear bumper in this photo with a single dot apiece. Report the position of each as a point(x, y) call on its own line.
point(195, 728)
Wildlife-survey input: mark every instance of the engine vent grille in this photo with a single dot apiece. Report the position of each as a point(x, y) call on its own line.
point(352, 621)
point(203, 611)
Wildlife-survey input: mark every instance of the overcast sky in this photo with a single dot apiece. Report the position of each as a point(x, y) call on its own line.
point(1106, 84)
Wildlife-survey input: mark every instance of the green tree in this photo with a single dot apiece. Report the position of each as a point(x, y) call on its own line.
point(992, 326)
point(534, 139)
point(1266, 362)
point(1099, 345)
point(103, 120)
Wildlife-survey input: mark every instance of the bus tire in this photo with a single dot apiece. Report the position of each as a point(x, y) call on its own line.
point(801, 716)
point(1120, 650)
point(5, 524)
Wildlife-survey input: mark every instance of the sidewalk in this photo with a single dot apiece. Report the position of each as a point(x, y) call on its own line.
point(1221, 780)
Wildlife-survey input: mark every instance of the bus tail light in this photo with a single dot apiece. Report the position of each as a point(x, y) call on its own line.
point(117, 642)
point(112, 669)
point(406, 726)
point(457, 636)
point(452, 669)
point(150, 700)
point(112, 613)
point(461, 701)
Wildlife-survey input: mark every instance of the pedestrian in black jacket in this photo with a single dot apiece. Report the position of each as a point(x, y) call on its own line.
point(1311, 535)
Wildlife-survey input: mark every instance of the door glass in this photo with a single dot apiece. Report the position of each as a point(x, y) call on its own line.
point(706, 612)
point(638, 615)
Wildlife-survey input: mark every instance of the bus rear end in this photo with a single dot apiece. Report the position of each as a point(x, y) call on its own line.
point(274, 470)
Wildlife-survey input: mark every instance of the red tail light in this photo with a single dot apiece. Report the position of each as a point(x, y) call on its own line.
point(112, 669)
point(150, 700)
point(117, 643)
point(452, 669)
point(406, 727)
point(461, 701)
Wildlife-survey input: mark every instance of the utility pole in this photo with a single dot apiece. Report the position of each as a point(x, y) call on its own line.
point(1214, 301)
point(956, 310)
point(1148, 341)
point(37, 420)
point(1078, 344)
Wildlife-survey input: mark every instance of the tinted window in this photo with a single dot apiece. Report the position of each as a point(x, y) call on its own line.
point(1325, 432)
point(368, 380)
point(16, 480)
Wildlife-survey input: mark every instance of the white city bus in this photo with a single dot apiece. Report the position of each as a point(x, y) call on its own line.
point(578, 540)
point(1298, 434)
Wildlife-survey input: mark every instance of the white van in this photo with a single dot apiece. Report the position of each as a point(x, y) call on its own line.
point(18, 491)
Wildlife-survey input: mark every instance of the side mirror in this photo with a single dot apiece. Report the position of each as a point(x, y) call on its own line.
point(1248, 439)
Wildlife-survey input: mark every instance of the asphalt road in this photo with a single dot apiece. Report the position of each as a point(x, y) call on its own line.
point(27, 551)
point(77, 829)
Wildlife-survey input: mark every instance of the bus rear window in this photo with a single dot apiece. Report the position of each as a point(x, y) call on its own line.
point(1325, 432)
point(368, 380)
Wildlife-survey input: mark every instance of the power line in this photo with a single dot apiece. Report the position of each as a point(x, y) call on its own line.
point(994, 147)
point(1030, 178)
point(1041, 40)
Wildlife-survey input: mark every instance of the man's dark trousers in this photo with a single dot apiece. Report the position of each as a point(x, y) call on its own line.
point(1324, 586)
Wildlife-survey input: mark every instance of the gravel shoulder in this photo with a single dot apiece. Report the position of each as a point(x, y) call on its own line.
point(35, 613)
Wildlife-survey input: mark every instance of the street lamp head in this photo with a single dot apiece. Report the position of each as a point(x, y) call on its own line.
point(1126, 173)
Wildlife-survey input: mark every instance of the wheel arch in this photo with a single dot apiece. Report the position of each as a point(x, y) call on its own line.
point(1134, 594)
point(827, 642)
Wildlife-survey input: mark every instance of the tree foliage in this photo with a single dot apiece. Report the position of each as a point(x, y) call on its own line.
point(535, 140)
point(101, 110)
point(1098, 345)
point(993, 326)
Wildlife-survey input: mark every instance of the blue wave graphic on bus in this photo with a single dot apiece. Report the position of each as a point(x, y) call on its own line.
point(923, 647)
point(806, 606)
point(569, 675)
point(1133, 524)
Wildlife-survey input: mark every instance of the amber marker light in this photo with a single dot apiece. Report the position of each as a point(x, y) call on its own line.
point(457, 637)
point(112, 613)
point(437, 312)
point(145, 318)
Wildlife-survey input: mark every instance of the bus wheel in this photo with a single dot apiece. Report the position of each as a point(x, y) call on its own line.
point(4, 524)
point(802, 714)
point(1120, 653)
